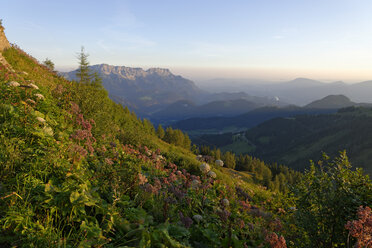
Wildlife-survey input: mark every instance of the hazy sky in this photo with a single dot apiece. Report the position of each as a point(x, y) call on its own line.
point(270, 39)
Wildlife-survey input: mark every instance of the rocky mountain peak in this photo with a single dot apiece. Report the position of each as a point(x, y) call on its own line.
point(130, 72)
point(160, 71)
point(4, 43)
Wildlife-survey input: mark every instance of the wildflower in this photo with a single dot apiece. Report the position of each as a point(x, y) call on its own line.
point(80, 134)
point(241, 224)
point(109, 161)
point(39, 96)
point(245, 205)
point(75, 108)
point(275, 241)
point(225, 202)
point(177, 192)
point(31, 101)
point(186, 221)
point(13, 84)
point(204, 168)
point(281, 211)
point(223, 214)
point(219, 162)
point(159, 157)
point(165, 180)
point(157, 184)
point(212, 174)
point(142, 179)
point(33, 86)
point(78, 150)
point(59, 89)
point(198, 218)
point(172, 177)
point(361, 229)
point(40, 119)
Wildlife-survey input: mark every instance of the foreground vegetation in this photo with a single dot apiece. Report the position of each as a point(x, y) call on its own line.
point(78, 170)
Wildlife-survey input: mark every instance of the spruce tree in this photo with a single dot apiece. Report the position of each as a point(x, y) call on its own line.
point(83, 73)
point(229, 160)
point(160, 132)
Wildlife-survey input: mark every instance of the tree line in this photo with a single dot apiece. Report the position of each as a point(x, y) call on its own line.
point(273, 176)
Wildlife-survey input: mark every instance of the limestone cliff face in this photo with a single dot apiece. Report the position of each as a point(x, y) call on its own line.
point(4, 43)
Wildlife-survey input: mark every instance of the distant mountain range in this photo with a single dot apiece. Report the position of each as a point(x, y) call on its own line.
point(299, 91)
point(328, 104)
point(163, 97)
point(143, 90)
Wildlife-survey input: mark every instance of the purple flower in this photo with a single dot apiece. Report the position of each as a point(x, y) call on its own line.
point(186, 221)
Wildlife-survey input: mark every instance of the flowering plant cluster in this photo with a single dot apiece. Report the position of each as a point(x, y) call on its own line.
point(361, 229)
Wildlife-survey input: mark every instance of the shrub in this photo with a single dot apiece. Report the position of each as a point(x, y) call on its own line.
point(327, 196)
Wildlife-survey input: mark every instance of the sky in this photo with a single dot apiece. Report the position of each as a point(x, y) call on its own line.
point(201, 39)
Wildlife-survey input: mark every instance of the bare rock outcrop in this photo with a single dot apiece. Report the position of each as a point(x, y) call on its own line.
point(4, 43)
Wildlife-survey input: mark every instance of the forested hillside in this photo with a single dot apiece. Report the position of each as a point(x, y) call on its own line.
point(296, 140)
point(78, 170)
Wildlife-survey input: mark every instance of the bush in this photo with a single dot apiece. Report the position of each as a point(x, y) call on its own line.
point(327, 197)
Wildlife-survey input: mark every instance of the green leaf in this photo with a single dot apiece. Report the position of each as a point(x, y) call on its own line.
point(74, 196)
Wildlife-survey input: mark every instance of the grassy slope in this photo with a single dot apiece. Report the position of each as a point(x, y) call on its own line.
point(70, 182)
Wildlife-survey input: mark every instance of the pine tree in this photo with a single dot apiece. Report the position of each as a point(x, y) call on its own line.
point(83, 73)
point(186, 141)
point(229, 160)
point(160, 132)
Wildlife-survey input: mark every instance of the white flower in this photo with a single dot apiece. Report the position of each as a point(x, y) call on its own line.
point(40, 119)
point(31, 101)
point(33, 86)
point(159, 157)
point(48, 131)
point(13, 84)
point(219, 162)
point(39, 96)
point(212, 174)
point(197, 218)
point(204, 168)
point(225, 202)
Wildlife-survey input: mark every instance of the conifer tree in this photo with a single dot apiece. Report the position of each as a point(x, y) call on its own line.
point(229, 160)
point(186, 141)
point(160, 132)
point(83, 73)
